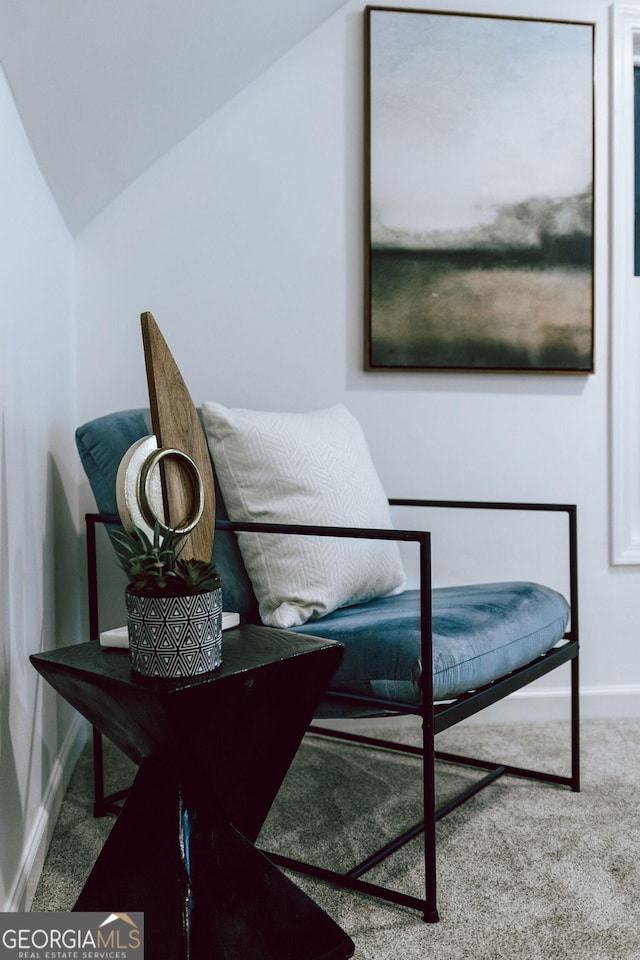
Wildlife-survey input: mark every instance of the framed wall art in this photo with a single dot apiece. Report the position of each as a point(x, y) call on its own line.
point(479, 192)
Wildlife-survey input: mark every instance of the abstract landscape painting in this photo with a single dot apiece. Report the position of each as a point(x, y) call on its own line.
point(479, 193)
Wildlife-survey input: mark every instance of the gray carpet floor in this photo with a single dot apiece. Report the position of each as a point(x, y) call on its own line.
point(527, 871)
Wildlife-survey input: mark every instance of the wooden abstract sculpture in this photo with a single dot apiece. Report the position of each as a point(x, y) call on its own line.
point(177, 426)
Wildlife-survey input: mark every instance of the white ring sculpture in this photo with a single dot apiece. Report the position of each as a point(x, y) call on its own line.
point(139, 487)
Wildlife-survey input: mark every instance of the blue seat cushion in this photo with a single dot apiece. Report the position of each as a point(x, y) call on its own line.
point(480, 633)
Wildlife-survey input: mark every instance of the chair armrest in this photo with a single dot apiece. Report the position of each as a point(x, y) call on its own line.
point(572, 516)
point(569, 508)
point(311, 530)
point(421, 537)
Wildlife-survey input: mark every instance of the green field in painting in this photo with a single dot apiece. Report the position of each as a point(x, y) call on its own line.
point(485, 311)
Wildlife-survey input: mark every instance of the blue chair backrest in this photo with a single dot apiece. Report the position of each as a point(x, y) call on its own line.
point(103, 442)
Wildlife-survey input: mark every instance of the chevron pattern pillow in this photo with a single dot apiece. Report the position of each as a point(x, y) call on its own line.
point(311, 468)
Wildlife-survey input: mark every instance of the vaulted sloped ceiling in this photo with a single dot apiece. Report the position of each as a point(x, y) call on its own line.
point(106, 87)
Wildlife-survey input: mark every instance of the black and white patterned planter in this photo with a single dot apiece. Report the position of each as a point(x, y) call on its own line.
point(173, 637)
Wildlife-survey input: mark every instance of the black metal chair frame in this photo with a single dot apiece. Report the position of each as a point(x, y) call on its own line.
point(436, 717)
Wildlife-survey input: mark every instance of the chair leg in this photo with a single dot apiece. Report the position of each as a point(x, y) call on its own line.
point(430, 914)
point(98, 775)
point(575, 726)
point(103, 804)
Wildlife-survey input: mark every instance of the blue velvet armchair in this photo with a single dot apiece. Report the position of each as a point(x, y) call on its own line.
point(441, 654)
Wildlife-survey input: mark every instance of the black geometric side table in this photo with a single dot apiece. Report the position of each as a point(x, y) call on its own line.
point(212, 753)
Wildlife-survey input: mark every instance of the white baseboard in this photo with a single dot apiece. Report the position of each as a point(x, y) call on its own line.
point(540, 704)
point(36, 844)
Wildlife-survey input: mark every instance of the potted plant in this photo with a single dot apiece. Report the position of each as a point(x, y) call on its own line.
point(174, 606)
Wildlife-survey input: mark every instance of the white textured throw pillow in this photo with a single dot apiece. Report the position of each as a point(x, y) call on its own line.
point(311, 468)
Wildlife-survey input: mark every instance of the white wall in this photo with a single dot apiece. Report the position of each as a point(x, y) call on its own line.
point(245, 243)
point(38, 504)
